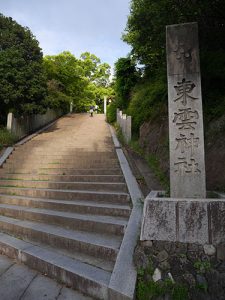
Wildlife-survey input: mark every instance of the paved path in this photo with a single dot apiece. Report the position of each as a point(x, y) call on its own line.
point(18, 282)
point(64, 209)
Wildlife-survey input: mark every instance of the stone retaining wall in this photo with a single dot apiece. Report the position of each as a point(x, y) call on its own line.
point(24, 125)
point(174, 270)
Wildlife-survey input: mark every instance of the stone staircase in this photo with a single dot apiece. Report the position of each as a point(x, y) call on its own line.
point(64, 205)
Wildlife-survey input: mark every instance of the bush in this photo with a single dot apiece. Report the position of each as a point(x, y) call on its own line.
point(6, 138)
point(111, 112)
point(149, 101)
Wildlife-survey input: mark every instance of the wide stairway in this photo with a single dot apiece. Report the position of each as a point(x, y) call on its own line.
point(64, 205)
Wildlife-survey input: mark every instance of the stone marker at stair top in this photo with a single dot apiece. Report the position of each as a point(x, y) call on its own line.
point(187, 162)
point(105, 104)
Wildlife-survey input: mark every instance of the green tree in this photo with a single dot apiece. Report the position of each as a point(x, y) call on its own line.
point(83, 81)
point(145, 30)
point(22, 79)
point(126, 78)
point(146, 33)
point(94, 70)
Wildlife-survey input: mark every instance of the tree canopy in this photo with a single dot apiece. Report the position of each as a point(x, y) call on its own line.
point(126, 78)
point(83, 81)
point(146, 33)
point(22, 79)
point(145, 30)
point(30, 83)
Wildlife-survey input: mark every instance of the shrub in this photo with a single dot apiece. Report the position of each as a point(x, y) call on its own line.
point(6, 138)
point(149, 101)
point(111, 112)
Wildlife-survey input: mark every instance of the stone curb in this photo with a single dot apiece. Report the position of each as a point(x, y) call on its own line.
point(124, 276)
point(5, 155)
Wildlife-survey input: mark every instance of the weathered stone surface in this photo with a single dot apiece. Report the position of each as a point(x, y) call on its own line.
point(201, 280)
point(164, 266)
point(42, 288)
point(180, 247)
point(157, 275)
point(182, 49)
point(189, 279)
point(221, 251)
point(193, 222)
point(15, 281)
point(171, 277)
point(187, 166)
point(163, 255)
point(146, 243)
point(140, 259)
point(209, 249)
point(147, 247)
point(204, 281)
point(159, 221)
point(217, 209)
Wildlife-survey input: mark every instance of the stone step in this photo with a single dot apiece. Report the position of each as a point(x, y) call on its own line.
point(86, 222)
point(62, 178)
point(91, 186)
point(82, 207)
point(51, 160)
point(94, 245)
point(80, 276)
point(41, 165)
point(104, 197)
point(46, 154)
point(58, 150)
point(60, 171)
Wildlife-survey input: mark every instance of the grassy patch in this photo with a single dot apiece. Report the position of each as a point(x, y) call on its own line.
point(6, 138)
point(153, 162)
point(147, 289)
point(202, 266)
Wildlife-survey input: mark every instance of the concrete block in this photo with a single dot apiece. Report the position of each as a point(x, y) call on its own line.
point(159, 220)
point(199, 221)
point(128, 128)
point(193, 221)
point(217, 220)
point(221, 251)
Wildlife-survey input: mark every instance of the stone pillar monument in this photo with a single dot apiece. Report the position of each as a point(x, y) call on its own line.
point(105, 104)
point(187, 162)
point(10, 121)
point(71, 107)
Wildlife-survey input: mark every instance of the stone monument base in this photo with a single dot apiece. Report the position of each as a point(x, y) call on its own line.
point(200, 221)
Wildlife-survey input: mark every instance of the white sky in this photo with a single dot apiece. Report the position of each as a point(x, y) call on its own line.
point(77, 26)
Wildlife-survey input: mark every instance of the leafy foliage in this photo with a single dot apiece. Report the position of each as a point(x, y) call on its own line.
point(126, 78)
point(146, 33)
point(145, 30)
point(22, 79)
point(147, 289)
point(111, 112)
point(6, 138)
point(149, 101)
point(83, 81)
